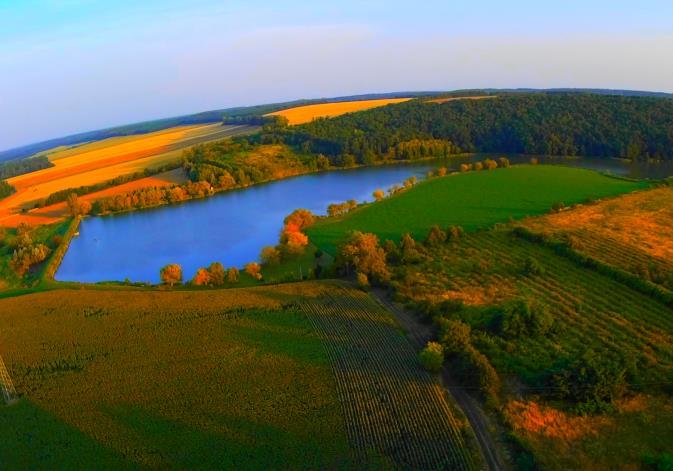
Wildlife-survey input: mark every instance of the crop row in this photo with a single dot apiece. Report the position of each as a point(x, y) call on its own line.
point(391, 405)
point(590, 310)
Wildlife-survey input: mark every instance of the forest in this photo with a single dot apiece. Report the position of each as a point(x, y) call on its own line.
point(6, 189)
point(20, 167)
point(550, 124)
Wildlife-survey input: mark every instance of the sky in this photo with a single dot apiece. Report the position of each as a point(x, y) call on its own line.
point(68, 66)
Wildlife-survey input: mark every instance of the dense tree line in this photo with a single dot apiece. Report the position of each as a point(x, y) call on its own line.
point(63, 195)
point(551, 124)
point(233, 163)
point(19, 167)
point(6, 189)
point(149, 197)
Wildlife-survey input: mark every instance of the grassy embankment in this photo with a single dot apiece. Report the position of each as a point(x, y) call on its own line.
point(474, 200)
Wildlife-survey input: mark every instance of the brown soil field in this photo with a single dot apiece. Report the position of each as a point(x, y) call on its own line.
point(306, 114)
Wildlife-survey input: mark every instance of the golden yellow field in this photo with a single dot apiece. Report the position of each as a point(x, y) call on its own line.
point(101, 161)
point(56, 212)
point(306, 114)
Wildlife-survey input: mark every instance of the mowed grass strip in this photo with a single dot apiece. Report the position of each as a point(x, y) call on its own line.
point(230, 379)
point(474, 200)
point(306, 114)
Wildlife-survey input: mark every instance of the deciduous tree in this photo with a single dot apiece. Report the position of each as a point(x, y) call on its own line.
point(171, 274)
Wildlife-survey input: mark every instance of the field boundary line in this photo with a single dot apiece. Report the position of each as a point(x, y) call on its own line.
point(644, 287)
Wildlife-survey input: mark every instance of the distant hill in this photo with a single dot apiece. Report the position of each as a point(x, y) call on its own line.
point(243, 111)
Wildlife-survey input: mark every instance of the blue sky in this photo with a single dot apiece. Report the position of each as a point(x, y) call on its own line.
point(74, 65)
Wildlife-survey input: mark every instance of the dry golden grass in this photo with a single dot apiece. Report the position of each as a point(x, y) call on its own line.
point(456, 98)
point(637, 222)
point(640, 426)
point(306, 114)
point(533, 418)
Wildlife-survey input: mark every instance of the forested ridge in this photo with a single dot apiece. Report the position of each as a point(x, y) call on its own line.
point(553, 124)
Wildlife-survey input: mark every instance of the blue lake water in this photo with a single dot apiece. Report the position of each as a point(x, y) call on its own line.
point(232, 227)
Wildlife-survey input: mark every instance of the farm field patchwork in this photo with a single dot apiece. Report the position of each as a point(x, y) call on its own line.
point(101, 161)
point(485, 271)
point(473, 200)
point(307, 113)
point(227, 378)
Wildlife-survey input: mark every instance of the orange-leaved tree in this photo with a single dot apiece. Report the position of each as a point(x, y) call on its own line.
point(171, 274)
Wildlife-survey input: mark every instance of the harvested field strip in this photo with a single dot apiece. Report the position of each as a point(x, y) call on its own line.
point(391, 404)
point(56, 212)
point(306, 114)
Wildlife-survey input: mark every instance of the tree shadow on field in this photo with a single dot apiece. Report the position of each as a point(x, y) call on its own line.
point(282, 333)
point(226, 442)
point(33, 438)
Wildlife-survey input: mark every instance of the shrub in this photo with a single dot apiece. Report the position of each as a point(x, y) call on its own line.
point(362, 253)
point(504, 162)
point(455, 336)
point(363, 281)
point(558, 207)
point(592, 382)
point(478, 166)
point(432, 357)
point(379, 194)
point(454, 233)
point(465, 168)
point(534, 161)
point(520, 318)
point(216, 273)
point(171, 274)
point(663, 462)
point(490, 164)
point(270, 256)
point(232, 275)
point(442, 171)
point(299, 219)
point(532, 267)
point(322, 162)
point(409, 182)
point(475, 370)
point(435, 237)
point(254, 270)
point(201, 278)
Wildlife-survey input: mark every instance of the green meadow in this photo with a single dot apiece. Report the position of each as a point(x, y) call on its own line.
point(473, 200)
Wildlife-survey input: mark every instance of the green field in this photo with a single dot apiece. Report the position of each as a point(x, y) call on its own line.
point(296, 376)
point(472, 200)
point(167, 380)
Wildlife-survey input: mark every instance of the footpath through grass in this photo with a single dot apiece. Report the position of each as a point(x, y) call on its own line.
point(472, 200)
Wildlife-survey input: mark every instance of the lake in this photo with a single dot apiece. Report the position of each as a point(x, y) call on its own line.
point(232, 227)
